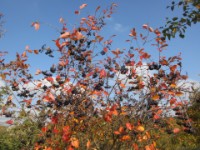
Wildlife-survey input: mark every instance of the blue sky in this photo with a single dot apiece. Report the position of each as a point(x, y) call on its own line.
point(19, 14)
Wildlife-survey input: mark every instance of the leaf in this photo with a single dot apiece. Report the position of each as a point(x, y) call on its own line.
point(24, 54)
point(133, 32)
point(75, 142)
point(156, 117)
point(77, 12)
point(176, 130)
point(129, 126)
point(66, 129)
point(173, 68)
point(79, 35)
point(155, 97)
point(61, 20)
point(179, 93)
point(126, 138)
point(10, 122)
point(38, 72)
point(65, 35)
point(102, 74)
point(97, 8)
point(36, 25)
point(172, 101)
point(35, 51)
point(140, 128)
point(83, 6)
point(145, 26)
point(135, 146)
point(88, 144)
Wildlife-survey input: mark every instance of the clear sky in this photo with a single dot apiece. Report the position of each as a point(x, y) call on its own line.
point(19, 14)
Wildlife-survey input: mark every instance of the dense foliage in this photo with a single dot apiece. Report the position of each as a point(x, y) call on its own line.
point(95, 96)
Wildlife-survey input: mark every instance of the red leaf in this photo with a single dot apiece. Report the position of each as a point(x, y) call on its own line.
point(77, 12)
point(9, 122)
point(102, 74)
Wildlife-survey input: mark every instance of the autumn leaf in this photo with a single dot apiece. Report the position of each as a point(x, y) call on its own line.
point(126, 138)
point(65, 35)
point(75, 142)
point(83, 6)
point(145, 26)
point(88, 144)
point(36, 25)
point(173, 68)
point(35, 51)
point(172, 101)
point(155, 97)
point(97, 8)
point(61, 20)
point(24, 54)
point(102, 74)
point(140, 128)
point(76, 12)
point(135, 146)
point(129, 126)
point(179, 93)
point(176, 130)
point(10, 122)
point(133, 32)
point(79, 35)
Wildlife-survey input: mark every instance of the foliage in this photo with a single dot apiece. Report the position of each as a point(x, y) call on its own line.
point(21, 136)
point(96, 96)
point(178, 25)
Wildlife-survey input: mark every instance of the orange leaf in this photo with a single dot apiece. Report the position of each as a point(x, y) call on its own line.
point(75, 142)
point(155, 97)
point(133, 32)
point(79, 35)
point(83, 6)
point(24, 54)
point(38, 72)
point(126, 138)
point(129, 126)
point(65, 35)
point(173, 68)
point(135, 146)
point(122, 85)
point(88, 144)
point(35, 51)
point(164, 62)
point(172, 101)
point(36, 25)
point(179, 93)
point(176, 130)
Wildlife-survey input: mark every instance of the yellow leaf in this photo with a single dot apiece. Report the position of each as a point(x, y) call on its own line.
point(140, 128)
